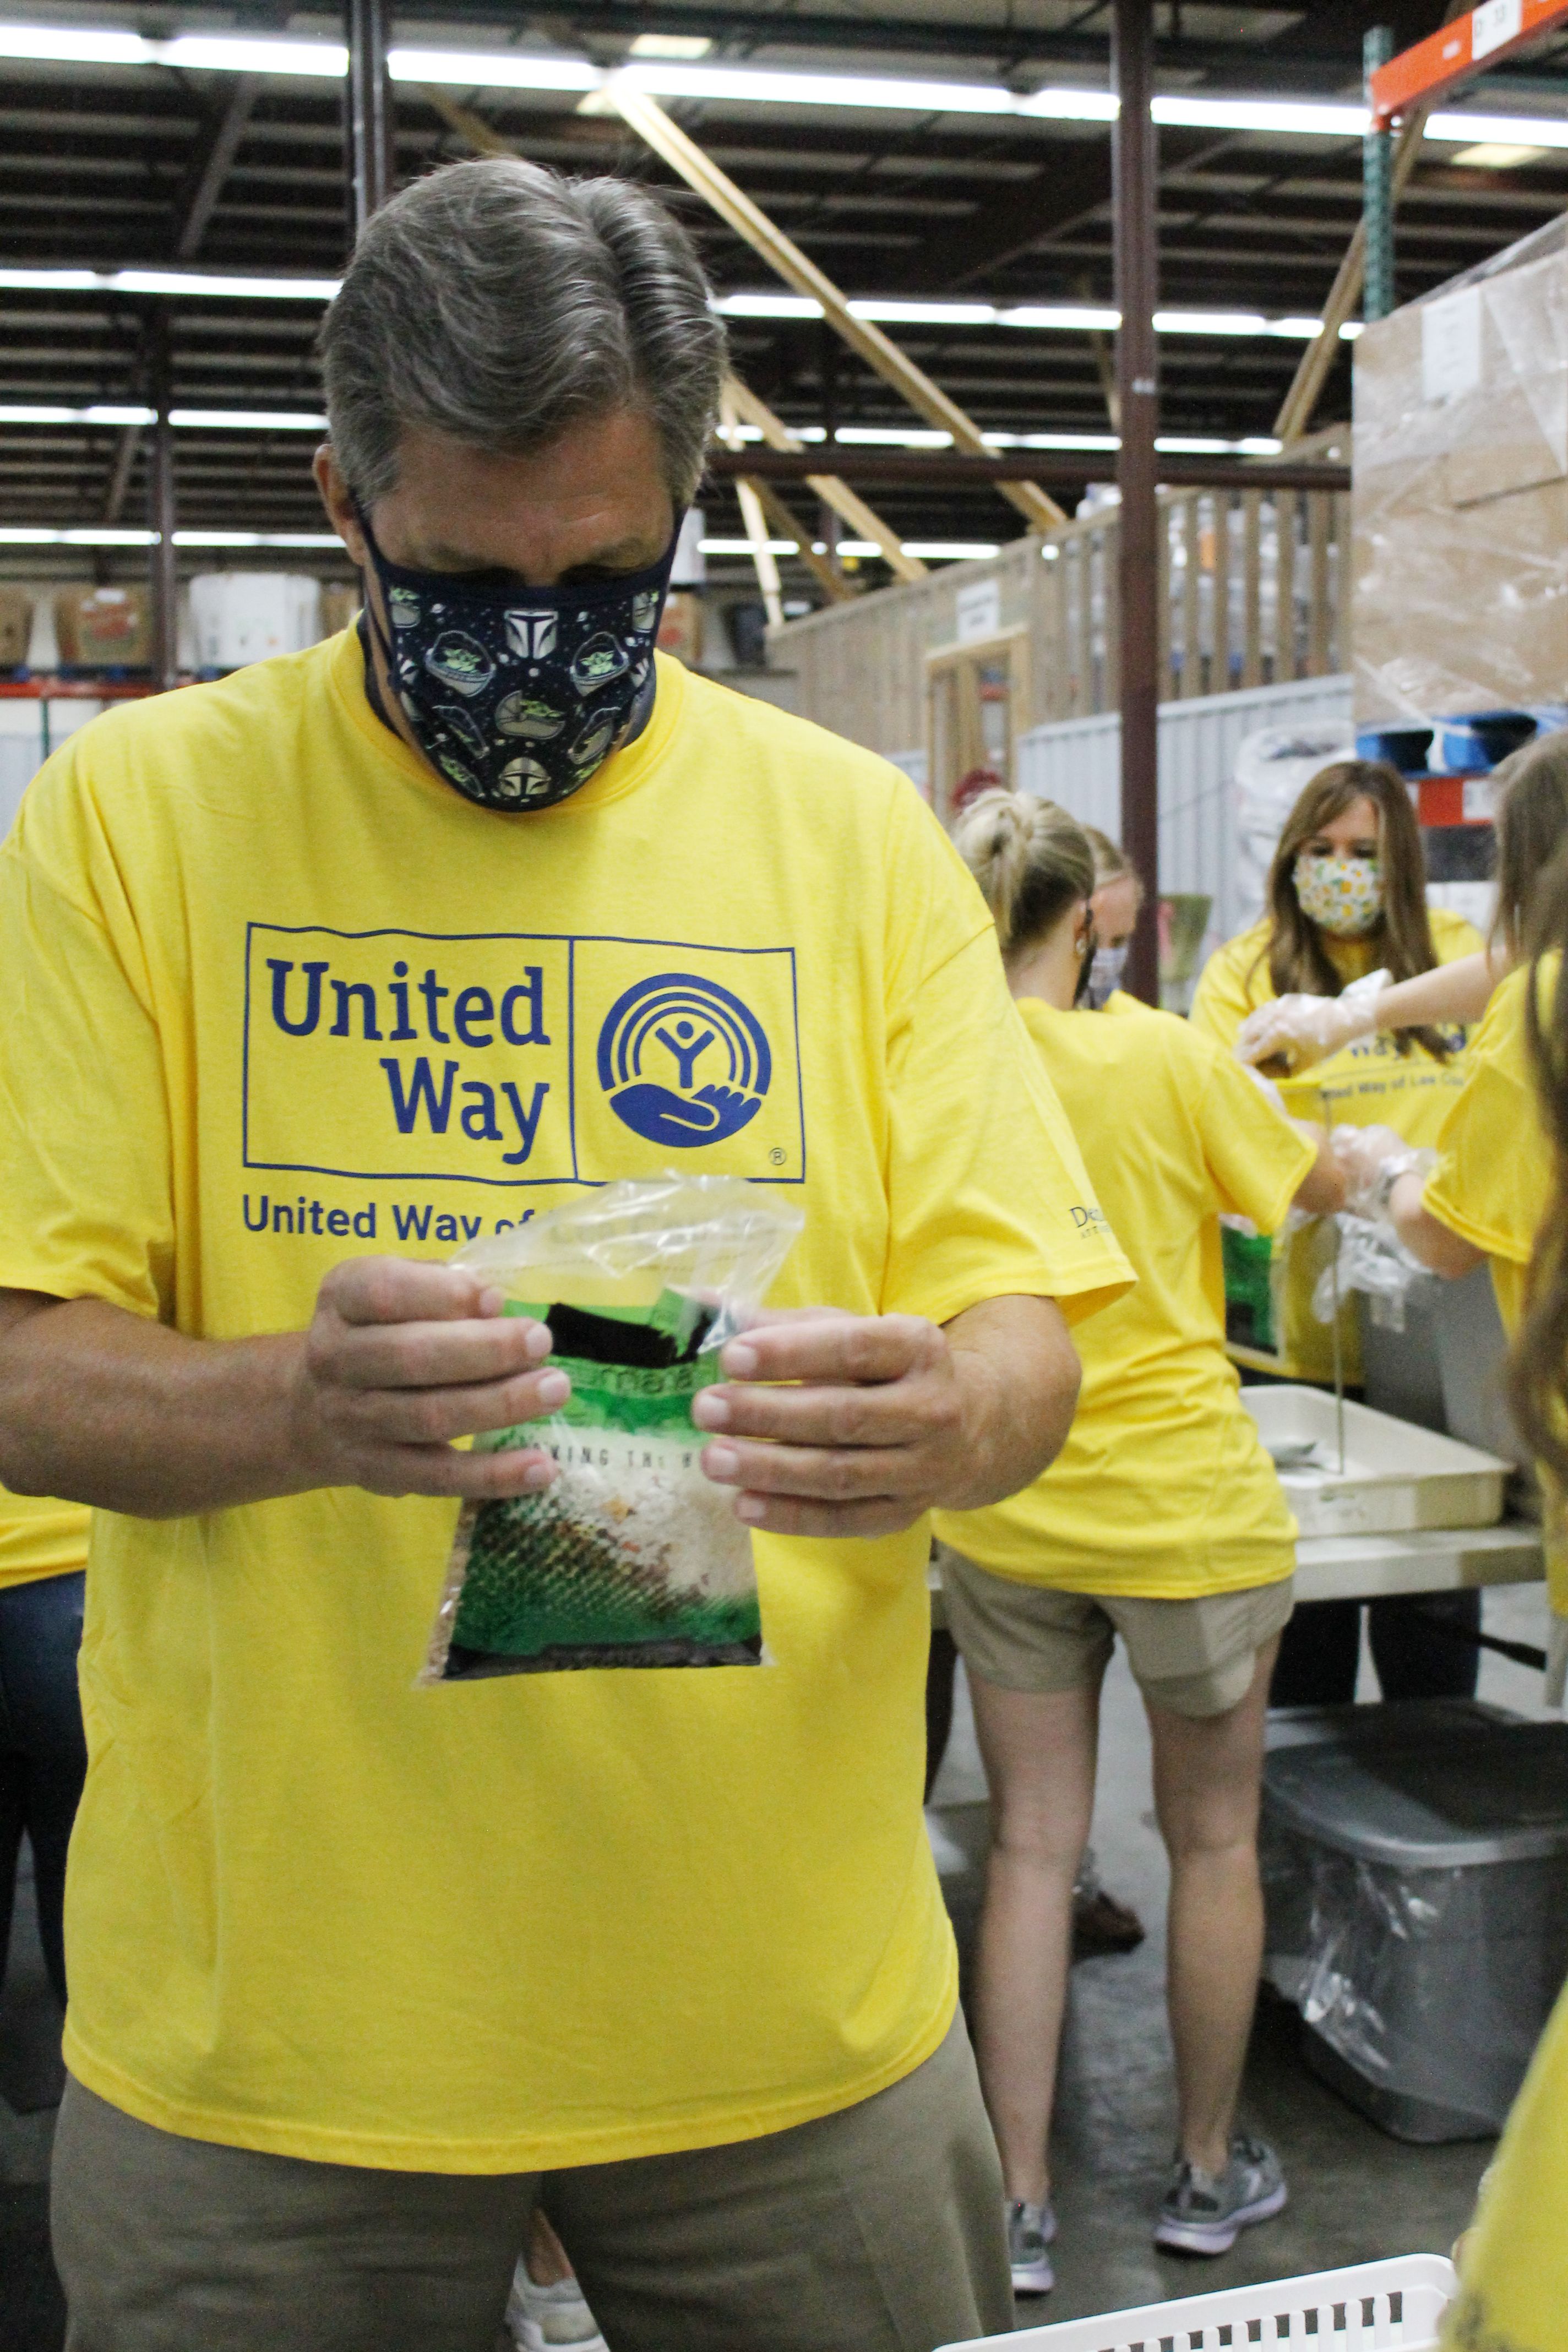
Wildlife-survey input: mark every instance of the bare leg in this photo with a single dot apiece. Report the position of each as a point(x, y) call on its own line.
point(545, 2256)
point(1038, 1751)
point(1207, 1772)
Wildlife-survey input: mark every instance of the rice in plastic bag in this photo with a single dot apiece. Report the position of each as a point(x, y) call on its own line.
point(632, 1557)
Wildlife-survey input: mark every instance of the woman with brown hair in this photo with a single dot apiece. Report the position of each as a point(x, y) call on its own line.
point(1347, 898)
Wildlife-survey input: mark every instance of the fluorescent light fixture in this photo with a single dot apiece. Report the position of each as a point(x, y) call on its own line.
point(1504, 129)
point(758, 86)
point(56, 44)
point(20, 413)
point(256, 539)
point(927, 314)
point(1071, 317)
point(493, 69)
point(1493, 155)
point(223, 53)
point(1069, 441)
point(892, 436)
point(1280, 115)
point(767, 306)
point(1210, 322)
point(170, 282)
point(103, 535)
point(1071, 106)
point(244, 420)
point(670, 45)
point(950, 551)
point(743, 546)
point(1302, 330)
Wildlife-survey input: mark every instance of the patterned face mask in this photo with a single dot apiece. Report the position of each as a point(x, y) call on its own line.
point(1343, 896)
point(1106, 968)
point(517, 695)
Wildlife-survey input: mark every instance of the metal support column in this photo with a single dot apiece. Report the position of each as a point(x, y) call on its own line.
point(163, 577)
point(1136, 177)
point(368, 121)
point(1377, 189)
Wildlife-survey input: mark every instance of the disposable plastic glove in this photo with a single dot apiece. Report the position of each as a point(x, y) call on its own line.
point(1309, 1029)
point(1372, 1160)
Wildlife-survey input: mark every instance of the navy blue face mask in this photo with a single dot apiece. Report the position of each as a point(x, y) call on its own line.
point(517, 695)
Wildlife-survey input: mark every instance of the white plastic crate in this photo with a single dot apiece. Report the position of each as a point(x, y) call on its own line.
point(1388, 2307)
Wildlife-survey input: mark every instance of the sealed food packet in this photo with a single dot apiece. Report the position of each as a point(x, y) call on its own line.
point(632, 1557)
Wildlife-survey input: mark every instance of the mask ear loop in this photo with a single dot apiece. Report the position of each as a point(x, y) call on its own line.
point(1087, 947)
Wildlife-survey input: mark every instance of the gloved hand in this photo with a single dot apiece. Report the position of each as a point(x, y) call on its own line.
point(1373, 1159)
point(1310, 1029)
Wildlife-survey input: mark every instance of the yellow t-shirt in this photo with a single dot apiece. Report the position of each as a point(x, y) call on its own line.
point(39, 1537)
point(1163, 1489)
point(1370, 1083)
point(1492, 1183)
point(289, 998)
point(1493, 1178)
point(1513, 2294)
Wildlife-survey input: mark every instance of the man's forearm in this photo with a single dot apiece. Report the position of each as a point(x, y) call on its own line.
point(1020, 1373)
point(104, 1407)
point(1430, 1242)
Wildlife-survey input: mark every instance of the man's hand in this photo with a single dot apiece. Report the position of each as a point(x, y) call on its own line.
point(887, 1416)
point(403, 1357)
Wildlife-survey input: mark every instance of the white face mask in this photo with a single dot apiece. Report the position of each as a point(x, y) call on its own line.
point(1106, 968)
point(1343, 896)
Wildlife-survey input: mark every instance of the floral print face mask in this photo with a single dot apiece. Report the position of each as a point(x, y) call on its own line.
point(1343, 896)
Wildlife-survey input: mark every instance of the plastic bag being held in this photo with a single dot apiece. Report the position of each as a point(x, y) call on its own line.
point(632, 1557)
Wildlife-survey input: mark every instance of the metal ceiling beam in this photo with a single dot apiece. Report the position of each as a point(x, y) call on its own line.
point(1137, 180)
point(940, 469)
point(368, 110)
point(227, 129)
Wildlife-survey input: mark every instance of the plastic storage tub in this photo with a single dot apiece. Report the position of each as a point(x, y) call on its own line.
point(1415, 1881)
point(1396, 1478)
point(1388, 2307)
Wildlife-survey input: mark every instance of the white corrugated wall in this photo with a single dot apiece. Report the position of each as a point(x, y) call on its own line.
point(1077, 761)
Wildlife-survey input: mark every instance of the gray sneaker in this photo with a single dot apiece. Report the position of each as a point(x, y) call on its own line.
point(1201, 2215)
point(1030, 2229)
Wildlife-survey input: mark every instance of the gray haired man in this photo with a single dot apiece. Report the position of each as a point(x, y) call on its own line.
point(359, 953)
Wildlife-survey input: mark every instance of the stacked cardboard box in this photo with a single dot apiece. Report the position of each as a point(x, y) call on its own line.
point(1460, 594)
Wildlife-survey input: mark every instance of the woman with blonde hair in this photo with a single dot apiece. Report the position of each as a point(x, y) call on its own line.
point(1161, 1521)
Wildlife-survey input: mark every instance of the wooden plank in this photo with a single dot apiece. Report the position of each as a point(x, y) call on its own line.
point(849, 508)
point(1162, 605)
point(1192, 648)
point(1318, 519)
point(833, 586)
point(1219, 675)
point(1251, 588)
point(1111, 572)
point(880, 354)
point(1285, 585)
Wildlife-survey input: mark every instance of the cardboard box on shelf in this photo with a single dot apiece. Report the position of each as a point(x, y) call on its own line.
point(103, 628)
point(680, 630)
point(1460, 499)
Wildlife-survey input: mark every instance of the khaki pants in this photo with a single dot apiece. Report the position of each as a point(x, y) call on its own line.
point(877, 2230)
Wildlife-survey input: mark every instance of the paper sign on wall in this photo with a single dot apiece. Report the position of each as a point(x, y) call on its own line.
point(1494, 23)
point(979, 609)
point(1451, 345)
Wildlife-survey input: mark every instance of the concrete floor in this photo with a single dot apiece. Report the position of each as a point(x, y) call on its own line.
point(1354, 2193)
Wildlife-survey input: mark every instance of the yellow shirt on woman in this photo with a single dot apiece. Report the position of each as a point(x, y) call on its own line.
point(1513, 2294)
point(287, 999)
point(1163, 1489)
point(1370, 1083)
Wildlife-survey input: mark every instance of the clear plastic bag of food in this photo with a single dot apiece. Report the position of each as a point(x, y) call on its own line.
point(632, 1557)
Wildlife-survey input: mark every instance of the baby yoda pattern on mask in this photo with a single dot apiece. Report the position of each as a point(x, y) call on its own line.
point(517, 695)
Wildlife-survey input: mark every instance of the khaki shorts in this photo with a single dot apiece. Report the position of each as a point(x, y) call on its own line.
point(1194, 1657)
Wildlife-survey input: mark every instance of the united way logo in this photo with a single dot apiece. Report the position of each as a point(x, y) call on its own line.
point(682, 1061)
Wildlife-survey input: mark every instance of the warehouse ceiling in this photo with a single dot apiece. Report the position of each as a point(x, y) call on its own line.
point(147, 165)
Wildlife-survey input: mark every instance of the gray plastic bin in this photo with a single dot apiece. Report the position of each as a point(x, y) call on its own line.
point(1416, 1877)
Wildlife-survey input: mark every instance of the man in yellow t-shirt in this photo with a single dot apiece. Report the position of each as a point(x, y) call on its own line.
point(327, 967)
point(43, 1555)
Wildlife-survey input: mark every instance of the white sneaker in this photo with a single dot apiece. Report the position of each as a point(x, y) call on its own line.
point(1030, 2229)
point(551, 2318)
